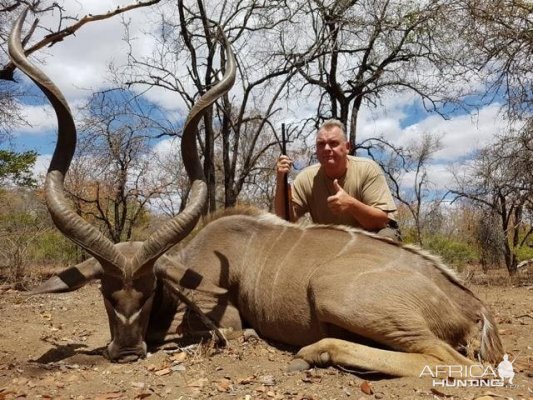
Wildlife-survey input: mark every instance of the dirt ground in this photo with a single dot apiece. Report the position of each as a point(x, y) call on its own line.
point(51, 348)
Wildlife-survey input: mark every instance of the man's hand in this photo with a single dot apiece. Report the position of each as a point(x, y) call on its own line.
point(283, 166)
point(340, 202)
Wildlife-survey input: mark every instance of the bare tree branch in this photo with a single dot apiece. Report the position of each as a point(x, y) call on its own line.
point(6, 72)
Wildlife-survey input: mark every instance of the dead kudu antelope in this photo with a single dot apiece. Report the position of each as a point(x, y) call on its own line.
point(349, 297)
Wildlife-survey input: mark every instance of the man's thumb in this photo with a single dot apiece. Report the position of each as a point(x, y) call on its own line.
point(337, 186)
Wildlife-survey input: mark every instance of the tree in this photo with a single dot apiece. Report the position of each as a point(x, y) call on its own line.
point(237, 125)
point(16, 168)
point(21, 225)
point(27, 236)
point(110, 179)
point(407, 175)
point(37, 37)
point(499, 180)
point(352, 52)
point(499, 39)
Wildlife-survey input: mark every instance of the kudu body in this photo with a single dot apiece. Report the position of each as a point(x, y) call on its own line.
point(349, 297)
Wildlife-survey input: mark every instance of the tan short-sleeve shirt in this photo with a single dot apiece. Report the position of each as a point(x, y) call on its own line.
point(364, 180)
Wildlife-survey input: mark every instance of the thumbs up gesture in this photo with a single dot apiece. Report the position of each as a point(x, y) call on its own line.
point(341, 201)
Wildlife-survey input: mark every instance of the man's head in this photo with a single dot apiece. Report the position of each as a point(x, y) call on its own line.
point(332, 148)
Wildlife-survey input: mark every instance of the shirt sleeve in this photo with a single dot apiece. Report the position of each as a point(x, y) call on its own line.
point(298, 197)
point(376, 192)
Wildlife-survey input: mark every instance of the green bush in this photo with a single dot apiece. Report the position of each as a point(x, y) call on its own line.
point(453, 253)
point(51, 247)
point(524, 253)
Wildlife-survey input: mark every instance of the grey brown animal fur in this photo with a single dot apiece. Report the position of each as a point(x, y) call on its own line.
point(348, 297)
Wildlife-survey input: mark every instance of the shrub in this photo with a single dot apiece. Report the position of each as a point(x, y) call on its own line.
point(453, 253)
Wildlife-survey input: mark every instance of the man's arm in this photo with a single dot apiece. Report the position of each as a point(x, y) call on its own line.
point(370, 218)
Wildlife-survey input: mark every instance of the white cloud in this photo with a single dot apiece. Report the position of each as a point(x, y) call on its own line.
point(41, 166)
point(461, 135)
point(440, 176)
point(80, 62)
point(166, 147)
point(41, 118)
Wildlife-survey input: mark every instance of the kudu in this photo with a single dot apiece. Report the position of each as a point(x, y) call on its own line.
point(351, 298)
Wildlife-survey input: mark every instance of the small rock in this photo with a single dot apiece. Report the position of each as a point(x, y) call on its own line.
point(267, 380)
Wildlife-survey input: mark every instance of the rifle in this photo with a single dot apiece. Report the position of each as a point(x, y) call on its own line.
point(286, 177)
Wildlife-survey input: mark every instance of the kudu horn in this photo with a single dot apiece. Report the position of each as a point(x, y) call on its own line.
point(76, 228)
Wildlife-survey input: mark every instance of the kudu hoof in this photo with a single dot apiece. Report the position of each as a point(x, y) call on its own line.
point(298, 364)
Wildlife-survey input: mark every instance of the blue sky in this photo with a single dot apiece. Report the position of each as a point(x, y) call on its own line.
point(78, 65)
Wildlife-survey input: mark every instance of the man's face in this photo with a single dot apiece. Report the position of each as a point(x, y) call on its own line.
point(332, 149)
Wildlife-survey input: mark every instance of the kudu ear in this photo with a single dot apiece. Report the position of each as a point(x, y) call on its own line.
point(71, 278)
point(172, 270)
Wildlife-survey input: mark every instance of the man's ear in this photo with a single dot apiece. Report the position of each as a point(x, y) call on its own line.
point(348, 146)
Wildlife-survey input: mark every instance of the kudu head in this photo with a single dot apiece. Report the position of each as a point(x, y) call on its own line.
point(127, 271)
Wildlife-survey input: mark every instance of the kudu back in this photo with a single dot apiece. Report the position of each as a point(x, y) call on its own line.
point(130, 273)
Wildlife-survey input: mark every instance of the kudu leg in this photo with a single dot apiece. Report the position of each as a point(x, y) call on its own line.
point(339, 352)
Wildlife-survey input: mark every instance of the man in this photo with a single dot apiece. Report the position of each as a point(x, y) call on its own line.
point(341, 189)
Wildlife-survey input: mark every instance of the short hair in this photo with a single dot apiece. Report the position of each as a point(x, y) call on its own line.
point(332, 123)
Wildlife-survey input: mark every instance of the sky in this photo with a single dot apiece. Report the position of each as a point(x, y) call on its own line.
point(78, 66)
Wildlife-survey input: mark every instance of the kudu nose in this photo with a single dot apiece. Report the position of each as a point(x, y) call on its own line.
point(128, 358)
point(126, 355)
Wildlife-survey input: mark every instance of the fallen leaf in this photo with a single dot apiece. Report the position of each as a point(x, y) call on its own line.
point(366, 388)
point(246, 381)
point(6, 394)
point(47, 316)
point(223, 385)
point(439, 393)
point(310, 377)
point(491, 394)
point(164, 371)
point(178, 357)
point(198, 383)
point(110, 395)
point(143, 395)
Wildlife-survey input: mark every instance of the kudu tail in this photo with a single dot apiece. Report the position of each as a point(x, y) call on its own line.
point(491, 348)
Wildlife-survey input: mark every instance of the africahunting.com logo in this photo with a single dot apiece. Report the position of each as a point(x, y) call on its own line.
point(476, 375)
